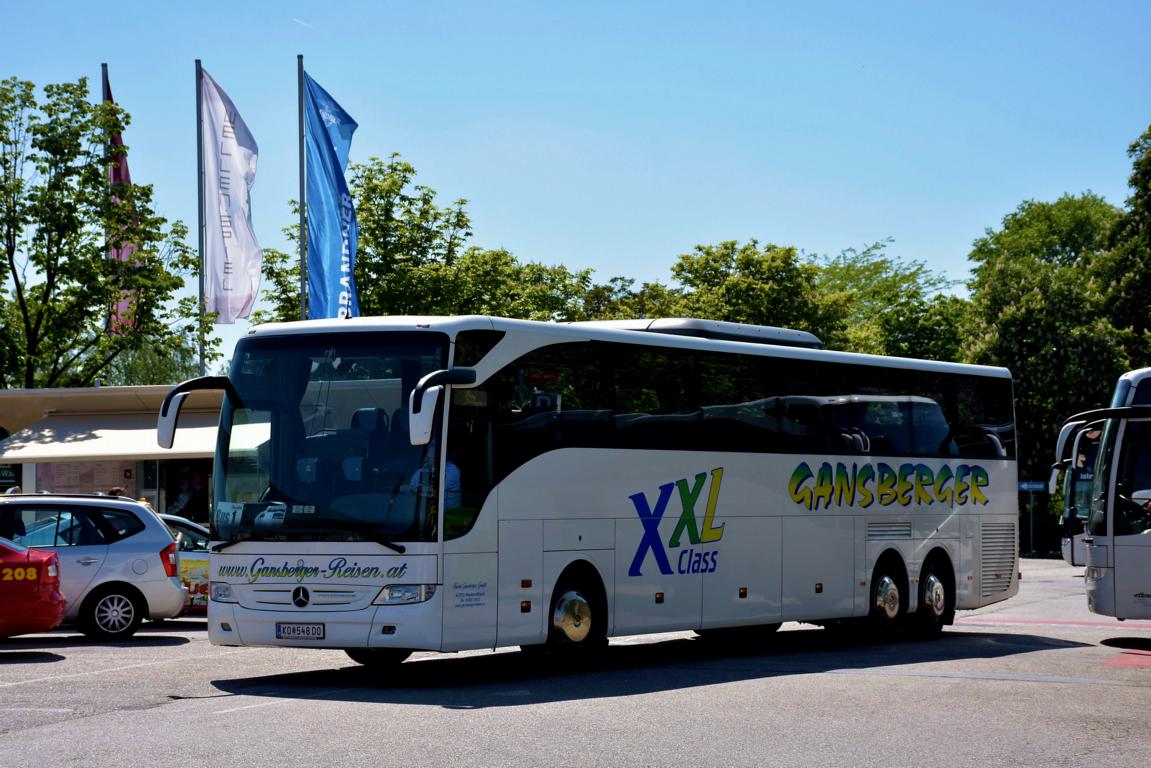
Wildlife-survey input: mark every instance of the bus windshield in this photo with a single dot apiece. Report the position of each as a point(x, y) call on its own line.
point(314, 442)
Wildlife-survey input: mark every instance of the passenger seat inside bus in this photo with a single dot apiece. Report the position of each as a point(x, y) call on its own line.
point(370, 426)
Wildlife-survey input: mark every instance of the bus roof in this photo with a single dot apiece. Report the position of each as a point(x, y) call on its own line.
point(620, 332)
point(714, 329)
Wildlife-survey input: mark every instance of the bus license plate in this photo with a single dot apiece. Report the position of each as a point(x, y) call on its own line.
point(299, 631)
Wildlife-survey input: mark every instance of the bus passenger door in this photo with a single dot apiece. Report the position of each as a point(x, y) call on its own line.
point(522, 603)
point(469, 601)
point(1131, 523)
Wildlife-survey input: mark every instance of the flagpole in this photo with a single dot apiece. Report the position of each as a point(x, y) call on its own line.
point(303, 241)
point(200, 195)
point(107, 146)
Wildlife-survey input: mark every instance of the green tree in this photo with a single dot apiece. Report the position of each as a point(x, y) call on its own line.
point(413, 259)
point(892, 305)
point(924, 328)
point(617, 299)
point(166, 362)
point(58, 220)
point(1124, 273)
point(772, 285)
point(1040, 309)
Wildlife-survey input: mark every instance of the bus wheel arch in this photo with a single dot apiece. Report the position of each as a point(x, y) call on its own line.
point(578, 615)
point(889, 594)
point(937, 593)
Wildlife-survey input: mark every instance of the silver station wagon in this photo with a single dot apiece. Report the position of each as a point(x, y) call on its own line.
point(119, 563)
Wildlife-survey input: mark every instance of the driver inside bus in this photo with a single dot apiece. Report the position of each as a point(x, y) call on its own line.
point(1136, 520)
point(421, 479)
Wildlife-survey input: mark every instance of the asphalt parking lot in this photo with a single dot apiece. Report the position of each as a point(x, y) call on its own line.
point(1036, 680)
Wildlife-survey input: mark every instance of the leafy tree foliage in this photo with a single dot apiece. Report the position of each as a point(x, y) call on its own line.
point(413, 259)
point(1040, 308)
point(1124, 274)
point(155, 364)
point(617, 299)
point(772, 285)
point(924, 328)
point(892, 306)
point(58, 220)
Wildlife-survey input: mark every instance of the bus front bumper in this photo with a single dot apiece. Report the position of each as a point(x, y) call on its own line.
point(415, 627)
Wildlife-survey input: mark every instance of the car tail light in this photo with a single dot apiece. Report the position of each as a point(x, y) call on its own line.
point(50, 573)
point(170, 559)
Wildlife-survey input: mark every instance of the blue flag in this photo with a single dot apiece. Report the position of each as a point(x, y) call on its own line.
point(332, 231)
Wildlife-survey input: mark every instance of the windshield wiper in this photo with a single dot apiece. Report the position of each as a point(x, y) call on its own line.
point(372, 533)
point(384, 541)
point(221, 546)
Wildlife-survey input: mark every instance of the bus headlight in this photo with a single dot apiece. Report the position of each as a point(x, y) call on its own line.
point(398, 594)
point(221, 592)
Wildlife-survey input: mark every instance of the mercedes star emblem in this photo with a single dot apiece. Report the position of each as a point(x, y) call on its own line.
point(299, 597)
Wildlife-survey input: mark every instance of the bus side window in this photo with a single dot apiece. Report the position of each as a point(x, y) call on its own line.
point(470, 449)
point(1131, 508)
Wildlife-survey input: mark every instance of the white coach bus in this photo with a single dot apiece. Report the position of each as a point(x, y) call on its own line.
point(1115, 445)
point(384, 485)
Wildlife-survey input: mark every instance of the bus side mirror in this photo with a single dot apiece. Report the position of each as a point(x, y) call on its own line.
point(169, 417)
point(426, 396)
point(170, 409)
point(1053, 481)
point(420, 422)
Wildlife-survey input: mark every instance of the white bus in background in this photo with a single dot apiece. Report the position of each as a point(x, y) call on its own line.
point(1079, 471)
point(1117, 533)
point(386, 485)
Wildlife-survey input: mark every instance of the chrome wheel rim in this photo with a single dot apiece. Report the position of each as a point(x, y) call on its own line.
point(572, 617)
point(934, 596)
point(887, 597)
point(114, 613)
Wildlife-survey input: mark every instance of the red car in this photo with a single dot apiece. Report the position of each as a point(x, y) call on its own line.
point(30, 599)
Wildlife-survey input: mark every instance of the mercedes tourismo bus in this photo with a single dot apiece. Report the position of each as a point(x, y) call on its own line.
point(1117, 534)
point(384, 485)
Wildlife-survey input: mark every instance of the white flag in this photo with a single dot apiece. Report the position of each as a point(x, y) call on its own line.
point(231, 254)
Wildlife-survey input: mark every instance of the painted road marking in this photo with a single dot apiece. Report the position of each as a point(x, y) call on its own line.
point(274, 702)
point(123, 668)
point(1138, 626)
point(1007, 677)
point(1131, 659)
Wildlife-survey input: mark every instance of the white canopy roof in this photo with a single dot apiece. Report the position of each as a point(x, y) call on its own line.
point(99, 436)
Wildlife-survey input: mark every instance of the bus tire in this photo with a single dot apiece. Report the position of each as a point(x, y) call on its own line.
point(377, 657)
point(888, 595)
point(936, 597)
point(578, 616)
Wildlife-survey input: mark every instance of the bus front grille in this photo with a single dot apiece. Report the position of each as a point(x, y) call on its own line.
point(266, 596)
point(999, 558)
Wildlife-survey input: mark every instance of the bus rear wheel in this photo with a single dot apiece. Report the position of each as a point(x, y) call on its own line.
point(377, 657)
point(936, 600)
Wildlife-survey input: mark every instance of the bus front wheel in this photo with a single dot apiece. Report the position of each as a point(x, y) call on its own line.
point(377, 657)
point(578, 617)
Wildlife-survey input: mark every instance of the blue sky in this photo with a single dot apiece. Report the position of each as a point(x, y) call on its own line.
point(617, 135)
